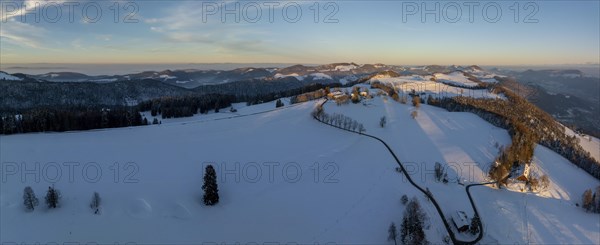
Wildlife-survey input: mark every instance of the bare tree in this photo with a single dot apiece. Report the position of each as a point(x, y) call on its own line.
point(587, 200)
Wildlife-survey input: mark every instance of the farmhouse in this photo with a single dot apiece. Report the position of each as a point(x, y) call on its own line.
point(521, 172)
point(460, 220)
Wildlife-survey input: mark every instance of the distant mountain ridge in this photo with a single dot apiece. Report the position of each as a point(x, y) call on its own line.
point(21, 91)
point(567, 94)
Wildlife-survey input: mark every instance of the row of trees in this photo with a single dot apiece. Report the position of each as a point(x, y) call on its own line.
point(308, 96)
point(69, 119)
point(75, 116)
point(30, 201)
point(338, 120)
point(187, 106)
point(53, 196)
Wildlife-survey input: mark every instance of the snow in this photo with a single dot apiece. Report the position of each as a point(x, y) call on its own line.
point(345, 67)
point(488, 80)
point(457, 78)
point(348, 79)
point(347, 180)
point(182, 82)
point(163, 194)
point(423, 84)
point(320, 76)
point(587, 142)
point(6, 76)
point(567, 75)
point(167, 77)
point(543, 218)
point(466, 145)
point(105, 80)
point(279, 75)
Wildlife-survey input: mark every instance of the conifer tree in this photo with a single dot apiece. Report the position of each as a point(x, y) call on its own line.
point(211, 190)
point(29, 199)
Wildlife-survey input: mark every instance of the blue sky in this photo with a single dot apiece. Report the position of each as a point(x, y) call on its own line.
point(391, 32)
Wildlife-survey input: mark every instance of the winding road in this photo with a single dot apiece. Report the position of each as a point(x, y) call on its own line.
point(428, 194)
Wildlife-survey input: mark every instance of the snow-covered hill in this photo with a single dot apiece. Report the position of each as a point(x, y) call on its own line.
point(283, 177)
point(6, 76)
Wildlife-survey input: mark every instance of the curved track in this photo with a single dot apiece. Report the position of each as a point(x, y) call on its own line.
point(428, 194)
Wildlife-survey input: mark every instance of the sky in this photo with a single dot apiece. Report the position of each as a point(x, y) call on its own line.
point(308, 32)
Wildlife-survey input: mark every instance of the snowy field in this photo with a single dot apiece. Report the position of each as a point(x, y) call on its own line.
point(423, 84)
point(283, 177)
point(588, 142)
point(327, 193)
point(467, 145)
point(456, 78)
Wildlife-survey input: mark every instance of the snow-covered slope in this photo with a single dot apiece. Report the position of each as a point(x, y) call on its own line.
point(320, 190)
point(467, 146)
point(456, 78)
point(283, 177)
point(588, 143)
point(6, 76)
point(423, 84)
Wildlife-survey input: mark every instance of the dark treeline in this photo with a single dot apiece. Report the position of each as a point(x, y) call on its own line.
point(186, 106)
point(68, 119)
point(72, 117)
point(297, 95)
point(527, 126)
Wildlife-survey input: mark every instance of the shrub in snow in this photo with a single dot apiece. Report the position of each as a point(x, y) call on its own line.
point(404, 199)
point(278, 103)
point(440, 174)
point(211, 190)
point(29, 199)
point(95, 203)
point(414, 114)
point(416, 101)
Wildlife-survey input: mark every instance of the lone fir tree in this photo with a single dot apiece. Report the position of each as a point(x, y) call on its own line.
point(211, 190)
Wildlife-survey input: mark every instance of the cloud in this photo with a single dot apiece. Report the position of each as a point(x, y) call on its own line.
point(184, 24)
point(22, 34)
point(15, 9)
